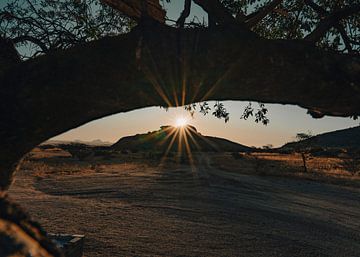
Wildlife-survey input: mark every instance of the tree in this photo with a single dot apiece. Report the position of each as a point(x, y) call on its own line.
point(303, 136)
point(303, 147)
point(268, 147)
point(90, 59)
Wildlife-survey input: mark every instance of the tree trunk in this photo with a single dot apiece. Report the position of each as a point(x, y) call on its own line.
point(19, 236)
point(304, 162)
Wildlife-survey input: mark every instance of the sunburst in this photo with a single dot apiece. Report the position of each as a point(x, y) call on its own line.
point(181, 122)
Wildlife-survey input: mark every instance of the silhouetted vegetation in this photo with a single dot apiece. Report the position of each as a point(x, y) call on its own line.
point(352, 162)
point(79, 151)
point(236, 155)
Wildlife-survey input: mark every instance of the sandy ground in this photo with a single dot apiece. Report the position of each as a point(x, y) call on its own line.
point(135, 209)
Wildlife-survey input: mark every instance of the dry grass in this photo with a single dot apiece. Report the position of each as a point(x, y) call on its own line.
point(126, 205)
point(45, 163)
point(55, 161)
point(323, 169)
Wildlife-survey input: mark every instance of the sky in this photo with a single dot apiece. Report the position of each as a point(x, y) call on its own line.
point(285, 120)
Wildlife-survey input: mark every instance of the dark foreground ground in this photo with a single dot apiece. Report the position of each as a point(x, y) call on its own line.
point(135, 209)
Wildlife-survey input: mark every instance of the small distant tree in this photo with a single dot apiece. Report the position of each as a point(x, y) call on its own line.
point(268, 147)
point(304, 136)
point(303, 147)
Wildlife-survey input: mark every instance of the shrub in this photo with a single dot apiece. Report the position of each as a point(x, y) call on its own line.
point(79, 151)
point(123, 151)
point(352, 164)
point(236, 155)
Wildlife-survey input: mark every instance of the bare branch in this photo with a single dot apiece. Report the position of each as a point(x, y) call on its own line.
point(241, 16)
point(317, 8)
point(49, 28)
point(216, 11)
point(31, 39)
point(257, 16)
point(184, 14)
point(322, 13)
point(134, 8)
point(330, 21)
point(345, 37)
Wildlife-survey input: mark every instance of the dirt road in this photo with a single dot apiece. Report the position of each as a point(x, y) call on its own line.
point(141, 210)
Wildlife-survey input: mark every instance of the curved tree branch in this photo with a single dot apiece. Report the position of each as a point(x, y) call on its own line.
point(219, 15)
point(256, 17)
point(323, 13)
point(51, 94)
point(217, 11)
point(317, 8)
point(345, 37)
point(31, 39)
point(134, 8)
point(330, 21)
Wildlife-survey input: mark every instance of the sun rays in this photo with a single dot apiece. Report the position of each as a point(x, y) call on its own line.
point(181, 122)
point(183, 141)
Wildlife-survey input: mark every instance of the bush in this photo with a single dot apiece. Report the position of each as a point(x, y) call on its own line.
point(101, 152)
point(236, 155)
point(123, 151)
point(286, 151)
point(352, 164)
point(79, 151)
point(315, 150)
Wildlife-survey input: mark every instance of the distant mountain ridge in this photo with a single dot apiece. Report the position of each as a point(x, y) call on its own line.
point(174, 139)
point(344, 138)
point(95, 142)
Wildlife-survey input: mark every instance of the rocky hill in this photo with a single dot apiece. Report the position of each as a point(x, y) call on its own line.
point(176, 140)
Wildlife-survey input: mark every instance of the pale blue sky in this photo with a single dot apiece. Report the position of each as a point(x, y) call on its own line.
point(285, 120)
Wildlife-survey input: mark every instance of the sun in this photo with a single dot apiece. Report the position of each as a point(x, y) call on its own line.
point(181, 122)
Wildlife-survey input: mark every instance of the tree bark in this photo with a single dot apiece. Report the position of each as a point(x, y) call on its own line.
point(8, 54)
point(19, 236)
point(159, 65)
point(135, 9)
